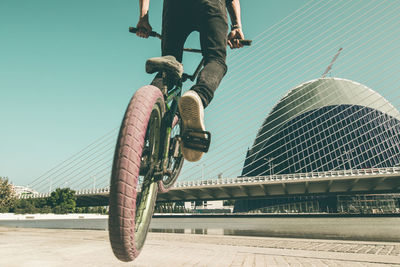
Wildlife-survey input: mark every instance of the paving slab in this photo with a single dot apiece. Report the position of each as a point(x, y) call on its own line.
point(58, 247)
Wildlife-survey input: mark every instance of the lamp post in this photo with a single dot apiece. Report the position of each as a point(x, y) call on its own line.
point(94, 182)
point(348, 154)
point(202, 170)
point(51, 183)
point(271, 165)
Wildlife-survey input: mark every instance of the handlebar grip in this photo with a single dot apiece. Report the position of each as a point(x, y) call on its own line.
point(152, 34)
point(245, 42)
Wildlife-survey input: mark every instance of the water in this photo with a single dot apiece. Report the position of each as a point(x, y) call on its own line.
point(93, 224)
point(350, 228)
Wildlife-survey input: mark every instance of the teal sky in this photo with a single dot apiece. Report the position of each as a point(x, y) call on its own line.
point(69, 68)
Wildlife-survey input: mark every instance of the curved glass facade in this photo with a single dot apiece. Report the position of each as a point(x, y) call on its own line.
point(322, 125)
point(329, 138)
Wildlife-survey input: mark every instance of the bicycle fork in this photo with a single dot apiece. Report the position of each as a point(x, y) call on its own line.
point(166, 128)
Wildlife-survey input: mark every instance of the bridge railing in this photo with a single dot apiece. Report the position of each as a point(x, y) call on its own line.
point(292, 176)
point(104, 190)
point(248, 179)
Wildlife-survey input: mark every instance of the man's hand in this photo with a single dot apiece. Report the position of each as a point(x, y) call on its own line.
point(144, 27)
point(233, 38)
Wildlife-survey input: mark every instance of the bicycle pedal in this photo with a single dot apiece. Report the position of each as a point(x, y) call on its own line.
point(197, 140)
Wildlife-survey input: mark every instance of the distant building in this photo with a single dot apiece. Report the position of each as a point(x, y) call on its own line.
point(322, 125)
point(216, 206)
point(23, 191)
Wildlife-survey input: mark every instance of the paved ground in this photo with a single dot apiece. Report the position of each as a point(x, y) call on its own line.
point(46, 247)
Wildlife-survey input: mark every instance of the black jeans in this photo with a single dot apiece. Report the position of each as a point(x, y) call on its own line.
point(209, 17)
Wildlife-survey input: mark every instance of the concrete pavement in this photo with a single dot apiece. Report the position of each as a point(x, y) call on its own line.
point(54, 247)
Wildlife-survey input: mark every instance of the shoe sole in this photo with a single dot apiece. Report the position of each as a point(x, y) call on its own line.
point(166, 63)
point(190, 114)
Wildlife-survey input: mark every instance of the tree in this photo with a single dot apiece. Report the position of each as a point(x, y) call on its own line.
point(7, 195)
point(25, 206)
point(62, 200)
point(32, 205)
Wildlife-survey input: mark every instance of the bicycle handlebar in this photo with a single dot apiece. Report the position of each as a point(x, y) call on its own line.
point(157, 35)
point(245, 42)
point(152, 34)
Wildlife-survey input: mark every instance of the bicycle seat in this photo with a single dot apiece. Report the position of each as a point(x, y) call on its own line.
point(166, 63)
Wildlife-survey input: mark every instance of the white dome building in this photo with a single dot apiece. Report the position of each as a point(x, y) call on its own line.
point(326, 124)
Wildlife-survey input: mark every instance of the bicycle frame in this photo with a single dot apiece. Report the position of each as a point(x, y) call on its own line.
point(171, 98)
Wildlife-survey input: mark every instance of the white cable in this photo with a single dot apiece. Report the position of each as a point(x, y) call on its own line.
point(72, 157)
point(83, 162)
point(311, 115)
point(244, 97)
point(270, 92)
point(294, 53)
point(79, 152)
point(337, 123)
point(88, 172)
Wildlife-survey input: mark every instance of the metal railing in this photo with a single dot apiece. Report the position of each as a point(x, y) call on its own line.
point(249, 179)
point(292, 176)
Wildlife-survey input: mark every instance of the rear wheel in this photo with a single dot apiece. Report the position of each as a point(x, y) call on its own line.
point(175, 158)
point(135, 158)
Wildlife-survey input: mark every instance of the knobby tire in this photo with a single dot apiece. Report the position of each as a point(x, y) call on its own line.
point(130, 214)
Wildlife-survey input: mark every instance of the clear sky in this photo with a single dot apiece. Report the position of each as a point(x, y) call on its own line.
point(69, 68)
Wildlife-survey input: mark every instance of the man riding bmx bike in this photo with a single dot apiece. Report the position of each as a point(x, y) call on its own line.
point(209, 18)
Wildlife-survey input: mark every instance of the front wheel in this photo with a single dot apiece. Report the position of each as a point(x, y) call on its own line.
point(135, 158)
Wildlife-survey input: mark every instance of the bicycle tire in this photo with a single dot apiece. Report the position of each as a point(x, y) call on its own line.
point(126, 233)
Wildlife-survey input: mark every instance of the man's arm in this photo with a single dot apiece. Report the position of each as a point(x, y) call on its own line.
point(236, 33)
point(143, 25)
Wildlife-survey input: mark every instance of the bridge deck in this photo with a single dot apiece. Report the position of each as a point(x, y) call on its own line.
point(377, 180)
point(348, 182)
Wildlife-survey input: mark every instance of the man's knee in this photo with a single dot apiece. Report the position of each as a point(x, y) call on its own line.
point(217, 63)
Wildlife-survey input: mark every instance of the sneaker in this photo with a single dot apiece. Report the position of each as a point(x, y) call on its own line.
point(165, 63)
point(192, 114)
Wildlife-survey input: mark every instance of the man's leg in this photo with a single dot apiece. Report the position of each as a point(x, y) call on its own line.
point(174, 32)
point(212, 23)
point(213, 38)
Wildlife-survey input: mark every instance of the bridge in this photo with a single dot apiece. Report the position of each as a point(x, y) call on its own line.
point(333, 182)
point(374, 180)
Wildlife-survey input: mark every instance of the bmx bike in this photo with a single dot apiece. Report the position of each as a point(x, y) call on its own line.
point(147, 158)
